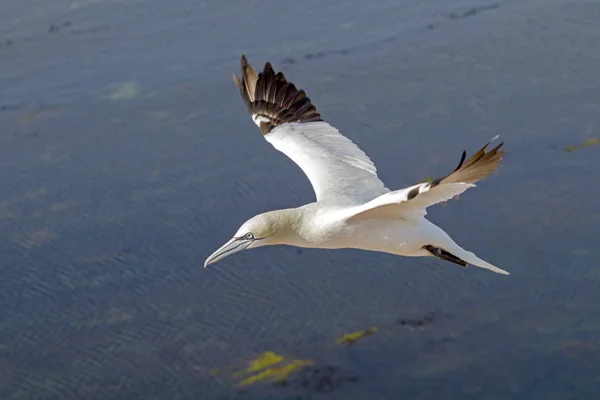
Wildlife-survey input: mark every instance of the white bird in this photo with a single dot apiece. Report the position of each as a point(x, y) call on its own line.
point(353, 208)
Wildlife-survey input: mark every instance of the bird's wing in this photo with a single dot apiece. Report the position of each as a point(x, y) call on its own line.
point(337, 169)
point(411, 203)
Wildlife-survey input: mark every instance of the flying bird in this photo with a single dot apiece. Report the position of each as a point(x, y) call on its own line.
point(353, 208)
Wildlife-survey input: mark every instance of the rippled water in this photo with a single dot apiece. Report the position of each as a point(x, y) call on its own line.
point(126, 157)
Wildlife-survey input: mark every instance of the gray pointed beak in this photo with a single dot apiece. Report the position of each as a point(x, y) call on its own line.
point(229, 248)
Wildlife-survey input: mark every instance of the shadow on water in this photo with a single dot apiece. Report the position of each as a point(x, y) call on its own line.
point(126, 157)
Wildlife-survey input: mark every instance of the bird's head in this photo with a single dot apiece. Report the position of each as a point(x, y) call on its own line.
point(270, 228)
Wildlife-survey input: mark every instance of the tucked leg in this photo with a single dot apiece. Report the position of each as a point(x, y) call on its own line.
point(444, 255)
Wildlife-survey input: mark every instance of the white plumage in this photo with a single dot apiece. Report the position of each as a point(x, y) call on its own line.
point(338, 170)
point(353, 208)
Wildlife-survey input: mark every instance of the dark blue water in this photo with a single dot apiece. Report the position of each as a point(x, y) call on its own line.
point(127, 157)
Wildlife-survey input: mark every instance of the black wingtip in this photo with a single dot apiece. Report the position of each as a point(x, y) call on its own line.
point(271, 96)
point(462, 160)
point(482, 163)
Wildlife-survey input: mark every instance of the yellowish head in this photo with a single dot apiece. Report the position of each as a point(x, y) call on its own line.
point(273, 227)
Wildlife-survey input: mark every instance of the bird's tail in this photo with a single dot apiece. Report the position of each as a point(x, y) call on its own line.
point(471, 258)
point(442, 246)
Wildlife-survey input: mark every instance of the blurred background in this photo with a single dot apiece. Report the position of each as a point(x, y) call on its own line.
point(127, 157)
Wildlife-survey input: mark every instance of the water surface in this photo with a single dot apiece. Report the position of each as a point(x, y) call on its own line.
point(126, 157)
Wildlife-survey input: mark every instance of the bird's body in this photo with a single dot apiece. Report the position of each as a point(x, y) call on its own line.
point(354, 209)
point(326, 227)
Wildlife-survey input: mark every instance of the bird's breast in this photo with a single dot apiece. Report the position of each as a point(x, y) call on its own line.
point(392, 236)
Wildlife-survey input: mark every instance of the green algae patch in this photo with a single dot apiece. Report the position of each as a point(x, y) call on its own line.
point(276, 374)
point(266, 359)
point(268, 366)
point(127, 91)
point(351, 338)
point(587, 143)
point(27, 117)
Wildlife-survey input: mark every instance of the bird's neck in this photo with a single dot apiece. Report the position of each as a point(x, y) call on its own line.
point(302, 227)
point(291, 227)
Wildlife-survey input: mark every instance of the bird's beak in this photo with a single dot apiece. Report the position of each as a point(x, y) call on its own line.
point(229, 248)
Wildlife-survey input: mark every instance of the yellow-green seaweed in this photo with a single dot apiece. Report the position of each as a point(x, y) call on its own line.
point(585, 144)
point(127, 91)
point(264, 360)
point(351, 338)
point(276, 373)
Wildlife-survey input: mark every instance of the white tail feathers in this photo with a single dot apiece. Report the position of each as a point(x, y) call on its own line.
point(472, 259)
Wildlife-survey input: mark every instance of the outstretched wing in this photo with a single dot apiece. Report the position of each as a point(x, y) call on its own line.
point(412, 202)
point(338, 170)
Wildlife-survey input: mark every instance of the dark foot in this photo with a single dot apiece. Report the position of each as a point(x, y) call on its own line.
point(444, 255)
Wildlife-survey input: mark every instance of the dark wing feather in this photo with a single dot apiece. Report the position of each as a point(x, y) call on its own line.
point(270, 95)
point(477, 167)
point(411, 202)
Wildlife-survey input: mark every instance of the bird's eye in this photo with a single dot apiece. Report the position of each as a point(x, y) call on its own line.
point(249, 236)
